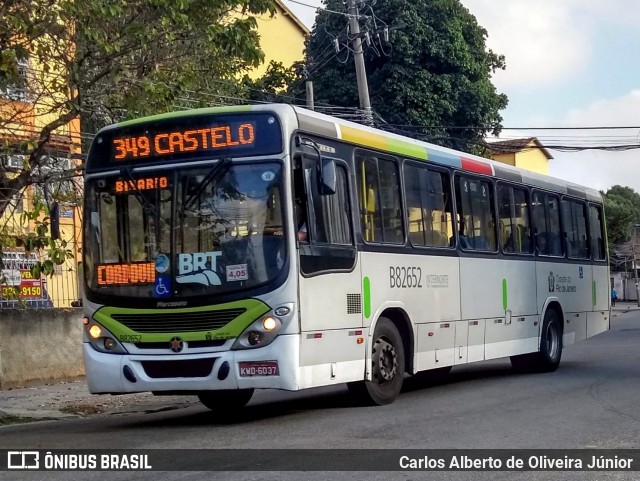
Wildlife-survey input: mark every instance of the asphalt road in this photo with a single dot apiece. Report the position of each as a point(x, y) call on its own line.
point(592, 401)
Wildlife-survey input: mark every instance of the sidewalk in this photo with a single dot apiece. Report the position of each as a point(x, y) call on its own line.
point(624, 306)
point(71, 399)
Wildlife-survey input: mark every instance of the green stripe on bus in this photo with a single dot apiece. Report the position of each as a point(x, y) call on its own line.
point(253, 310)
point(593, 292)
point(505, 300)
point(187, 113)
point(366, 297)
point(408, 149)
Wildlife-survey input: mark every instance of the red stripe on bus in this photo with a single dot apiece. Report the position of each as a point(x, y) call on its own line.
point(476, 166)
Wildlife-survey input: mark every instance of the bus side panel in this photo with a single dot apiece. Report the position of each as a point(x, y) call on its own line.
point(570, 283)
point(575, 327)
point(492, 286)
point(598, 320)
point(426, 286)
point(499, 290)
point(601, 288)
point(436, 342)
point(330, 317)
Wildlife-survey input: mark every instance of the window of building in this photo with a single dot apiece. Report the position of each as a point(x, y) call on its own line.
point(379, 195)
point(546, 224)
point(17, 90)
point(513, 220)
point(597, 233)
point(574, 223)
point(476, 215)
point(429, 206)
point(12, 161)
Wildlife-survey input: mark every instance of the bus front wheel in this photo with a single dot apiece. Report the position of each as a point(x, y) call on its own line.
point(228, 401)
point(387, 367)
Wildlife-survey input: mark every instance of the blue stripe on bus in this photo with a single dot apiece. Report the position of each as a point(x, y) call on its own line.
point(444, 158)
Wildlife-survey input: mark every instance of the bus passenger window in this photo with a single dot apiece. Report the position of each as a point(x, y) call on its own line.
point(546, 222)
point(379, 198)
point(597, 233)
point(476, 227)
point(428, 206)
point(513, 215)
point(574, 222)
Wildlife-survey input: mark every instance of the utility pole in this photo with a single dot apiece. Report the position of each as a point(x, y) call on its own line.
point(635, 267)
point(309, 89)
point(358, 56)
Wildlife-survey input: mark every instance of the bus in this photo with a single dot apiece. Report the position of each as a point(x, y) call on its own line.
point(273, 247)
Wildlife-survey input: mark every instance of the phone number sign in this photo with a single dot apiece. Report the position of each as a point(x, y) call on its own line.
point(21, 283)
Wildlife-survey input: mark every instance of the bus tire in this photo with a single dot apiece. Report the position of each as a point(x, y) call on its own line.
point(548, 357)
point(387, 367)
point(225, 401)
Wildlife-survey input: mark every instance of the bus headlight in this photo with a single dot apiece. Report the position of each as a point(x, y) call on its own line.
point(101, 339)
point(260, 333)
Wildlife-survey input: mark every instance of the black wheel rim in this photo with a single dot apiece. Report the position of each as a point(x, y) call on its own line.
point(385, 361)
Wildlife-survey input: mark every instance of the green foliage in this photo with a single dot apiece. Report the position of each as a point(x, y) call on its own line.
point(437, 74)
point(104, 61)
point(276, 85)
point(108, 60)
point(622, 211)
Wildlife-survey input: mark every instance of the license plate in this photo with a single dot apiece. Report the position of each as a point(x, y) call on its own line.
point(259, 368)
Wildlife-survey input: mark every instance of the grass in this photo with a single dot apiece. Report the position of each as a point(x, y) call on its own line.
point(9, 419)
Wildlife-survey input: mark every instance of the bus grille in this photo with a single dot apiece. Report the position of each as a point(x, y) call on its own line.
point(178, 321)
point(190, 344)
point(184, 368)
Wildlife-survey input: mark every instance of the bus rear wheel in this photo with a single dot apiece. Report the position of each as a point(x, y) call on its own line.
point(227, 401)
point(387, 367)
point(548, 357)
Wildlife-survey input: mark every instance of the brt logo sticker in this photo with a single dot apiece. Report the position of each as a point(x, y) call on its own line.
point(198, 268)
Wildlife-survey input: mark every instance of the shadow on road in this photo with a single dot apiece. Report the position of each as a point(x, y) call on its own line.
point(273, 405)
point(269, 405)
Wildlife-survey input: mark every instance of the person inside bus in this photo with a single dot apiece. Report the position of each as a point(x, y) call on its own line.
point(465, 241)
point(541, 243)
point(301, 220)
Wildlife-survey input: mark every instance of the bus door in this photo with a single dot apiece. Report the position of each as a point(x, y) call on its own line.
point(329, 278)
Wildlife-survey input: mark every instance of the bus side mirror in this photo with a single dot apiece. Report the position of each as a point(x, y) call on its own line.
point(327, 176)
point(54, 218)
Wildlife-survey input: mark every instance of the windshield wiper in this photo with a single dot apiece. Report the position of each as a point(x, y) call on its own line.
point(220, 168)
point(146, 205)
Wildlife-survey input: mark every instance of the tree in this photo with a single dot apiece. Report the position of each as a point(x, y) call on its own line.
point(436, 71)
point(622, 212)
point(107, 60)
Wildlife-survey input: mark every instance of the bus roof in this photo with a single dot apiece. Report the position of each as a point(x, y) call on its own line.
point(351, 132)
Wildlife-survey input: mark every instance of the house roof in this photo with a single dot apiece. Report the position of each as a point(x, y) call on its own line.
point(290, 14)
point(513, 146)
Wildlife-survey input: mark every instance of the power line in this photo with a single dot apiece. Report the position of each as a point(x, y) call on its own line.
point(343, 14)
point(457, 127)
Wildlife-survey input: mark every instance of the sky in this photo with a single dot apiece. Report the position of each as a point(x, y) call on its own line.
point(570, 63)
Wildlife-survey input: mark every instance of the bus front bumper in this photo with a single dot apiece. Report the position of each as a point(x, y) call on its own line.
point(128, 373)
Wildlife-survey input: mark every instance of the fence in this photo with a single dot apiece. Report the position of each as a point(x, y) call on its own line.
point(20, 289)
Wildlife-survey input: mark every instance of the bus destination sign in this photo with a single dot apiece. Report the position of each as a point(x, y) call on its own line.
point(182, 141)
point(187, 138)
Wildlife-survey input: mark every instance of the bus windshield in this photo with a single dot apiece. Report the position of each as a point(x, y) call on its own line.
point(185, 233)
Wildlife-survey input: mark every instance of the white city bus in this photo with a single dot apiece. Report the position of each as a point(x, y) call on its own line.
point(241, 248)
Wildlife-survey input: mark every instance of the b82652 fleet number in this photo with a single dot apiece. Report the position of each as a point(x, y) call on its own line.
point(405, 277)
